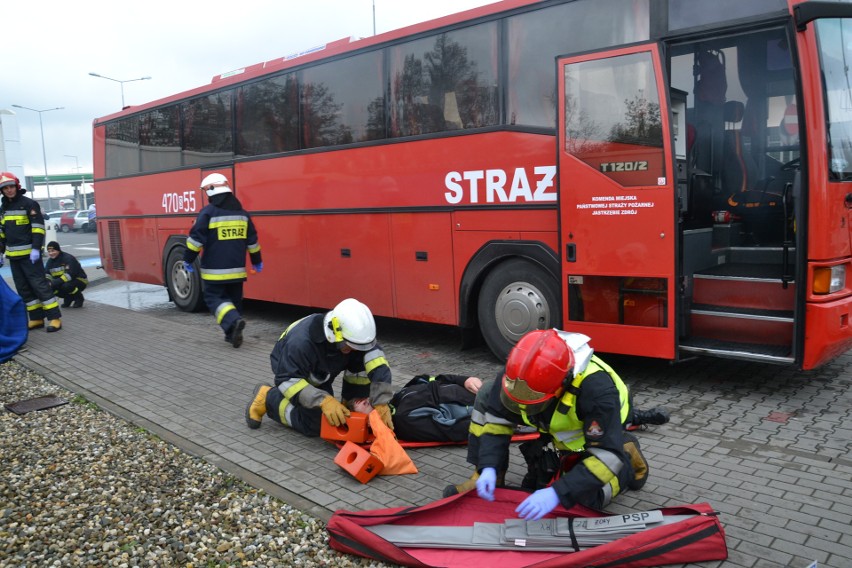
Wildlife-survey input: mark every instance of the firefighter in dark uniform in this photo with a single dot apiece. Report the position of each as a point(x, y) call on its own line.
point(430, 408)
point(67, 277)
point(21, 238)
point(305, 361)
point(553, 382)
point(225, 231)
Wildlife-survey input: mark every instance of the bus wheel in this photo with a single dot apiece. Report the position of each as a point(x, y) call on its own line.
point(184, 287)
point(516, 297)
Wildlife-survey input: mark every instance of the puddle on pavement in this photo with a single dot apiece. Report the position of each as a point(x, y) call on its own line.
point(130, 295)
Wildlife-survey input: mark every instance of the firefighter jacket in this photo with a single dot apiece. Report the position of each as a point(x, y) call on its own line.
point(66, 268)
point(433, 409)
point(305, 365)
point(588, 419)
point(21, 226)
point(225, 231)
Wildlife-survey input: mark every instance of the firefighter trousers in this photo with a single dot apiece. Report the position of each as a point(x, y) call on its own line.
point(225, 301)
point(65, 289)
point(307, 421)
point(34, 289)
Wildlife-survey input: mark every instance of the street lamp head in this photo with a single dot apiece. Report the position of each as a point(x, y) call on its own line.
point(93, 74)
point(121, 83)
point(38, 111)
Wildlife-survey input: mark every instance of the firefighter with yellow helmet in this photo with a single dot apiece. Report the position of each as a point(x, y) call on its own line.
point(553, 382)
point(225, 231)
point(307, 358)
point(21, 239)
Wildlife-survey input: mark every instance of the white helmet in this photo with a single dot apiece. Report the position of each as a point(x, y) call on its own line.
point(579, 344)
point(352, 322)
point(214, 184)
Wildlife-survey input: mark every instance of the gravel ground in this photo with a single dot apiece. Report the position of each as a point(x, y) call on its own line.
point(80, 487)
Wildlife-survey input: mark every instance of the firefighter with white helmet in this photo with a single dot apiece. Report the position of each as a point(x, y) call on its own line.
point(225, 231)
point(21, 239)
point(307, 358)
point(553, 382)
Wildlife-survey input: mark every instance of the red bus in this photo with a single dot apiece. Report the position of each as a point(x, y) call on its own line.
point(669, 177)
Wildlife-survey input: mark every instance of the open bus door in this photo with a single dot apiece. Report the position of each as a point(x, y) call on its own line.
point(617, 201)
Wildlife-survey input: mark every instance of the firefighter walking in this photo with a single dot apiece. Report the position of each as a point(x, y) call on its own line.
point(225, 231)
point(21, 239)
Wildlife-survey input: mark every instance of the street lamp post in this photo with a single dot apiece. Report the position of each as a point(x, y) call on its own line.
point(43, 151)
point(120, 82)
point(82, 181)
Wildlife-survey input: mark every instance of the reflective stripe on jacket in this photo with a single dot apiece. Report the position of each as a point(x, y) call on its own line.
point(21, 227)
point(565, 427)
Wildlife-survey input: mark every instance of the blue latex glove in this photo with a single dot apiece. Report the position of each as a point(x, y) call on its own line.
point(188, 266)
point(34, 256)
point(486, 483)
point(538, 504)
point(258, 267)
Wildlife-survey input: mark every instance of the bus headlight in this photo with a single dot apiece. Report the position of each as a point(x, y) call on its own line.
point(829, 279)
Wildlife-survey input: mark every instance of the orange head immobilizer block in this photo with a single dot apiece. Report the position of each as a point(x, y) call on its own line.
point(356, 429)
point(358, 462)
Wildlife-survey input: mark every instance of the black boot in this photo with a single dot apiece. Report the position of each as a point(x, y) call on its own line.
point(66, 303)
point(235, 337)
point(657, 415)
point(78, 300)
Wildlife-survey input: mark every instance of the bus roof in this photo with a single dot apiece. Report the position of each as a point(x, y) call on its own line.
point(324, 51)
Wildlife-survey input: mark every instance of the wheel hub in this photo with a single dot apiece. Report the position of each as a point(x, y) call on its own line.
point(181, 282)
point(520, 308)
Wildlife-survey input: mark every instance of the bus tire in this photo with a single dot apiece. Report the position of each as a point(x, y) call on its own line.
point(184, 287)
point(517, 296)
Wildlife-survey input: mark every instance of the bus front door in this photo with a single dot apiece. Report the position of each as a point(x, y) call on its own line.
point(617, 201)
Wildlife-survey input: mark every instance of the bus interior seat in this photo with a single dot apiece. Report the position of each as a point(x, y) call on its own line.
point(751, 198)
point(735, 171)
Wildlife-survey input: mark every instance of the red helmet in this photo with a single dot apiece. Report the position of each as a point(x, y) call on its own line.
point(536, 371)
point(7, 179)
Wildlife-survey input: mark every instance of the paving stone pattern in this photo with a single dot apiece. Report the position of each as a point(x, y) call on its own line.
point(767, 446)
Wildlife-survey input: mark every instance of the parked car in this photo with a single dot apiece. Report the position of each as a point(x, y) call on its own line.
point(74, 221)
point(66, 221)
point(53, 217)
point(93, 220)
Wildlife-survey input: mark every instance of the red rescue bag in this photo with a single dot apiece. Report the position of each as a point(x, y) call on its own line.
point(698, 538)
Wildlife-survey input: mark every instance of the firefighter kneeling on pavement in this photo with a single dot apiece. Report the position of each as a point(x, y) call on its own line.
point(553, 382)
point(66, 276)
point(306, 359)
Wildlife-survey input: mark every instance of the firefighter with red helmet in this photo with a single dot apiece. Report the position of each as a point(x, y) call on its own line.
point(553, 382)
point(306, 359)
point(225, 231)
point(21, 239)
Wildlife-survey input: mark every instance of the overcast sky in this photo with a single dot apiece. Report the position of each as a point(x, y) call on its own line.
point(180, 44)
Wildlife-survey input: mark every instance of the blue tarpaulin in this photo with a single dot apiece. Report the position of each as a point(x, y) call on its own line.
point(13, 322)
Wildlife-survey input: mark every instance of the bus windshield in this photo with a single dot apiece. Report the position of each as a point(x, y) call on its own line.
point(835, 46)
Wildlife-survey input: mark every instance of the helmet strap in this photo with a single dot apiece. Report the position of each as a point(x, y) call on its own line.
point(334, 326)
point(524, 417)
